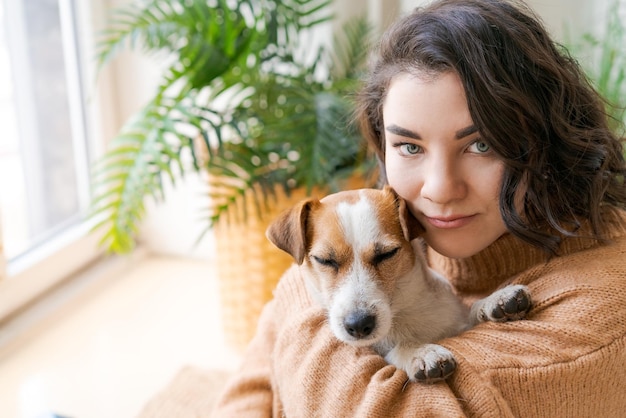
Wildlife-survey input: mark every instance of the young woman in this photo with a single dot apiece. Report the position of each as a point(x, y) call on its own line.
point(502, 150)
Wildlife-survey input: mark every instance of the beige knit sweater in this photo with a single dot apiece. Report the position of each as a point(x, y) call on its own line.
point(568, 359)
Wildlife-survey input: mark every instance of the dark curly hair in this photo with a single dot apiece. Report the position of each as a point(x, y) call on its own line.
point(529, 99)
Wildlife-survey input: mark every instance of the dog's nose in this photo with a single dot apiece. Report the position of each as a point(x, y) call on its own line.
point(359, 324)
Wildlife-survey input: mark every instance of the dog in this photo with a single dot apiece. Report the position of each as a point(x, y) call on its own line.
point(359, 255)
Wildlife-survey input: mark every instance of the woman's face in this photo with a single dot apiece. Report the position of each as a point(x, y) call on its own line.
point(437, 161)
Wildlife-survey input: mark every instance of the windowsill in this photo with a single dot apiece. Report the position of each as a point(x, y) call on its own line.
point(40, 305)
point(107, 341)
point(34, 274)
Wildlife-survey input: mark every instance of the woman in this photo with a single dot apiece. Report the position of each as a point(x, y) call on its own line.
point(501, 149)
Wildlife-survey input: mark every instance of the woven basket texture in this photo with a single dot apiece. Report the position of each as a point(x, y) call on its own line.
point(249, 265)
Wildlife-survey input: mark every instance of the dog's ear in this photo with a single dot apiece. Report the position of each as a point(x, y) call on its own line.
point(288, 230)
point(411, 227)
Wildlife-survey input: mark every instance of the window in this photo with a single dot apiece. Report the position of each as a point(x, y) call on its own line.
point(50, 133)
point(43, 149)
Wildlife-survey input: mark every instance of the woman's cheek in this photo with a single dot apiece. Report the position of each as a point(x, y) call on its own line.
point(402, 179)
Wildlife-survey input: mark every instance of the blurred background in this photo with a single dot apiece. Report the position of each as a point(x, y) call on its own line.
point(117, 121)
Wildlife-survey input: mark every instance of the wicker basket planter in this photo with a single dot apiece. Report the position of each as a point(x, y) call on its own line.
point(250, 266)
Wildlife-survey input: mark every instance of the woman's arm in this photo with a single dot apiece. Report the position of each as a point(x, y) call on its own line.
point(316, 375)
point(566, 359)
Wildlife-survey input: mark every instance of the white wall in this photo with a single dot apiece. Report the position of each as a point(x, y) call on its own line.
point(555, 13)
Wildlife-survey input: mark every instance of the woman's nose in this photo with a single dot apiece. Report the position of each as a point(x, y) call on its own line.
point(443, 182)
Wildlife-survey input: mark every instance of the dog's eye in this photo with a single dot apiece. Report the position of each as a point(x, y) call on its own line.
point(328, 262)
point(379, 258)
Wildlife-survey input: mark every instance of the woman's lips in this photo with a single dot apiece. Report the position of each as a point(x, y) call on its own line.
point(449, 222)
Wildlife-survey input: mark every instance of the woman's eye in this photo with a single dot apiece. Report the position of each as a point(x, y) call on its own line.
point(479, 147)
point(409, 149)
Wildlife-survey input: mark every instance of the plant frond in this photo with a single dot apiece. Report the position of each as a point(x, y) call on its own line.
point(147, 148)
point(603, 57)
point(350, 49)
point(237, 98)
point(203, 40)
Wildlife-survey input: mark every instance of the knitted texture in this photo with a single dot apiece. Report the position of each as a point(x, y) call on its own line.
point(191, 393)
point(567, 359)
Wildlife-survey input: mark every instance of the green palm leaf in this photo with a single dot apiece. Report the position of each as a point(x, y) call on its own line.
point(235, 85)
point(604, 60)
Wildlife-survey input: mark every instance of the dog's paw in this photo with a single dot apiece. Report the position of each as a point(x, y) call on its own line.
point(507, 304)
point(431, 363)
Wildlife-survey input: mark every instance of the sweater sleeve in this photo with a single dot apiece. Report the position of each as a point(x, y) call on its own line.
point(249, 392)
point(542, 366)
point(316, 375)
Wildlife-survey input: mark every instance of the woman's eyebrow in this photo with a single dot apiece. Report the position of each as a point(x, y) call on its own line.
point(398, 130)
point(462, 133)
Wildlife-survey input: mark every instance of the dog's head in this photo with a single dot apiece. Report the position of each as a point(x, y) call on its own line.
point(353, 247)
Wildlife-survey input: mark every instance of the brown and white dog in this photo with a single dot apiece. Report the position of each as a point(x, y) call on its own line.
point(358, 254)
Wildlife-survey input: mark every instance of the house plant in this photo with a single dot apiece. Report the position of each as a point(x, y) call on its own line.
point(603, 56)
point(246, 99)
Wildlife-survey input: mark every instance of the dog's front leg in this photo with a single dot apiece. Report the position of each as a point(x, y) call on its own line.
point(428, 363)
point(507, 304)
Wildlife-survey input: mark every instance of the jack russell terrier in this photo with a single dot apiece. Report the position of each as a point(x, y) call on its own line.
point(358, 254)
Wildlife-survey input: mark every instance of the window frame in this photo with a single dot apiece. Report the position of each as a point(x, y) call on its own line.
point(31, 275)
